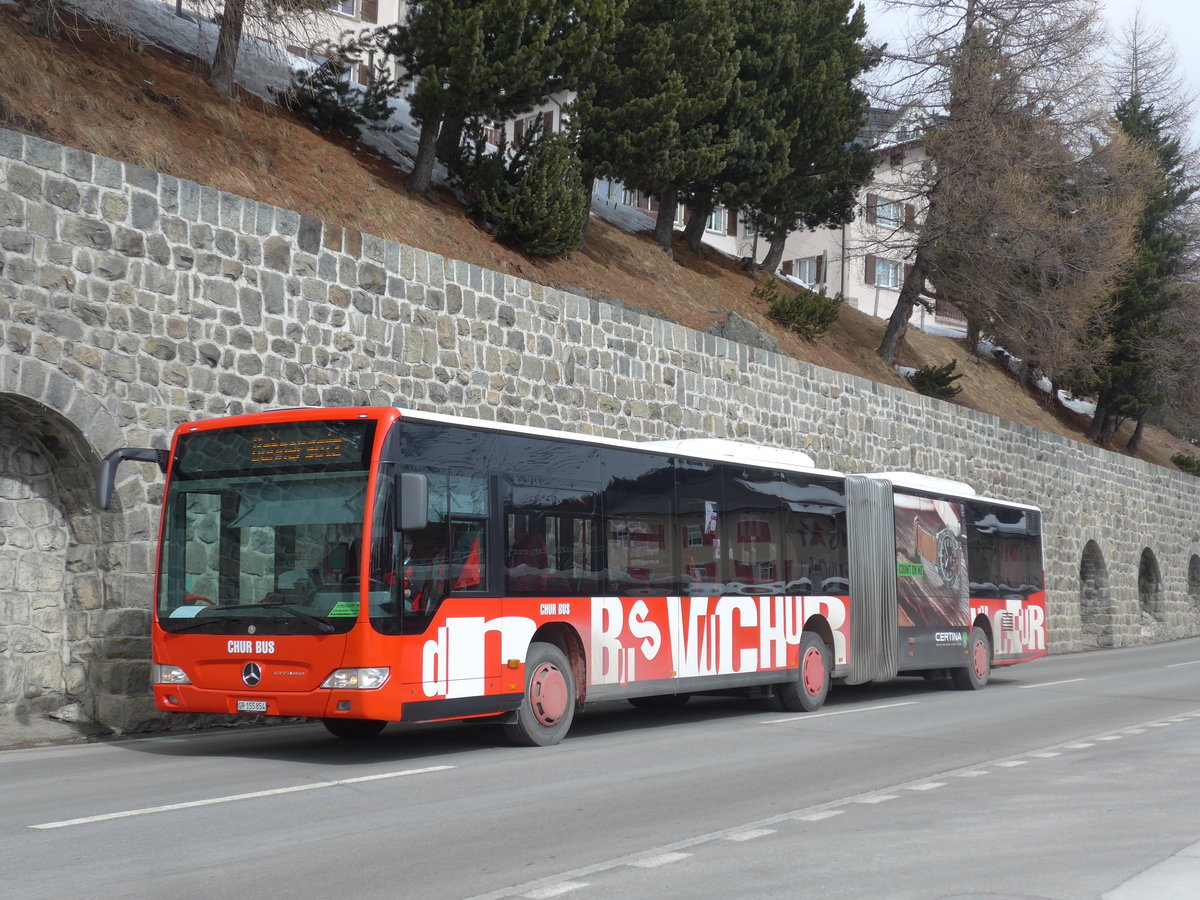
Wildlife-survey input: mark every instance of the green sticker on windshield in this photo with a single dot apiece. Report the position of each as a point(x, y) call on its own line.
point(344, 608)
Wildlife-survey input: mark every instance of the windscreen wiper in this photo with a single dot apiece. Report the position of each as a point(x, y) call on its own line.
point(202, 622)
point(325, 627)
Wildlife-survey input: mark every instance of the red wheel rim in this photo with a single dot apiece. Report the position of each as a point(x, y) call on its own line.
point(813, 671)
point(980, 659)
point(548, 694)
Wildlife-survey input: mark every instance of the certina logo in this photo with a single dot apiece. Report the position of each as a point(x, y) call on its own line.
point(251, 674)
point(951, 637)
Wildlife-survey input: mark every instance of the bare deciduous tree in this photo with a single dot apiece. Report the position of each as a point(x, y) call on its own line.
point(1003, 87)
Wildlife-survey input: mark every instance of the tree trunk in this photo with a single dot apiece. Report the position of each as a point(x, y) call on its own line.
point(450, 137)
point(774, 255)
point(44, 14)
point(229, 38)
point(1109, 428)
point(910, 291)
point(693, 229)
point(664, 225)
point(1135, 439)
point(588, 178)
point(421, 177)
point(973, 332)
point(1098, 417)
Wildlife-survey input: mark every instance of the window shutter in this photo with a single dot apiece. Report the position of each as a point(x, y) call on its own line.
point(731, 222)
point(907, 270)
point(910, 216)
point(518, 130)
point(872, 203)
point(687, 215)
point(548, 121)
point(818, 275)
point(787, 267)
point(370, 10)
point(652, 202)
point(869, 273)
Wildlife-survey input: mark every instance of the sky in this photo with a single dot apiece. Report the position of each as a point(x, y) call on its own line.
point(1181, 19)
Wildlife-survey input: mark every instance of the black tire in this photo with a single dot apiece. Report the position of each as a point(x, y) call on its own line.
point(808, 691)
point(354, 729)
point(974, 676)
point(661, 702)
point(548, 707)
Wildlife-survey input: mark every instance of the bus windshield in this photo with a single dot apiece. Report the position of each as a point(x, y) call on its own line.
point(261, 539)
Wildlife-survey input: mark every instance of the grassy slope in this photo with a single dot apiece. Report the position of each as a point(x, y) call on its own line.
point(154, 109)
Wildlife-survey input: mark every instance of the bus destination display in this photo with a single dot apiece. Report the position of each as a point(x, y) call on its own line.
point(342, 445)
point(275, 451)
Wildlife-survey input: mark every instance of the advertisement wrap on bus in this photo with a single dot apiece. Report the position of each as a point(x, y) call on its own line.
point(372, 565)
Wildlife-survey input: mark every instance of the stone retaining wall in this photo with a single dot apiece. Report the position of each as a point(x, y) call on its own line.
point(131, 301)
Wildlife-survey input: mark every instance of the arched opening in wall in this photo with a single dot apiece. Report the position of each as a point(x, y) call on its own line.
point(48, 578)
point(1097, 613)
point(1150, 590)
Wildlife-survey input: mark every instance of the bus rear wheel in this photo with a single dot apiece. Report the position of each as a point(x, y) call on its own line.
point(353, 729)
point(975, 675)
point(548, 707)
point(808, 692)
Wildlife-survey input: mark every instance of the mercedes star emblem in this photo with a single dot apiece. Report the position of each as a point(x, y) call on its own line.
point(251, 674)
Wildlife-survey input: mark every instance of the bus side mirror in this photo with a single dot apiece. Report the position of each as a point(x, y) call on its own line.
point(106, 474)
point(412, 506)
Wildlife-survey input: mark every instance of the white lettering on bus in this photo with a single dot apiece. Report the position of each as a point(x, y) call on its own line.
point(260, 647)
point(738, 634)
point(453, 663)
point(613, 663)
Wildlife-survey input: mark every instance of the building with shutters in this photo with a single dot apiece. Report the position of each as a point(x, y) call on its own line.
point(865, 260)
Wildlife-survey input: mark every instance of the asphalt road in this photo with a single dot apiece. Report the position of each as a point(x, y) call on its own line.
point(1072, 777)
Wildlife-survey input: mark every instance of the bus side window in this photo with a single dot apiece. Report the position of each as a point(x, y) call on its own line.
point(468, 555)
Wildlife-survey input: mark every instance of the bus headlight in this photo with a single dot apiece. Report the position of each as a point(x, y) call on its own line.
point(163, 674)
point(358, 679)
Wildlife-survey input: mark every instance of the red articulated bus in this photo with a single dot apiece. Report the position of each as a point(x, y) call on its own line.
point(374, 565)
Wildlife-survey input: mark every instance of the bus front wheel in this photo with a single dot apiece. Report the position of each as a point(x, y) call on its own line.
point(979, 667)
point(808, 692)
point(549, 704)
point(353, 729)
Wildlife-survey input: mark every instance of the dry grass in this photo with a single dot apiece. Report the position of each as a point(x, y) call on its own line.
point(153, 109)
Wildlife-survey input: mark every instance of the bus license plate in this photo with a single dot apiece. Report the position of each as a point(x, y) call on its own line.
point(257, 706)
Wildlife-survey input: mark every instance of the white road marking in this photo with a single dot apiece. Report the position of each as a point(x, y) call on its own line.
point(972, 773)
point(841, 712)
point(1079, 745)
point(663, 859)
point(232, 798)
point(1109, 737)
point(1027, 687)
point(1194, 662)
point(876, 798)
point(819, 815)
point(554, 890)
point(1046, 754)
point(1012, 763)
point(750, 835)
point(928, 786)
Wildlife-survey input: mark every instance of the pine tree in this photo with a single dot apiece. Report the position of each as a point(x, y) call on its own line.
point(646, 117)
point(825, 164)
point(542, 203)
point(1139, 318)
point(487, 59)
